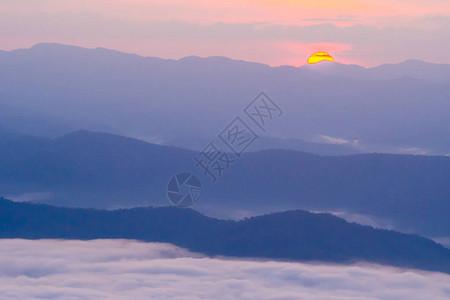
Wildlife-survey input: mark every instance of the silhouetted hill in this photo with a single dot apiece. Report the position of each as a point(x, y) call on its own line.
point(291, 235)
point(103, 170)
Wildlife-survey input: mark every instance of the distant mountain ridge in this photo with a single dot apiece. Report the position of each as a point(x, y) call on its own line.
point(160, 100)
point(410, 68)
point(270, 143)
point(291, 235)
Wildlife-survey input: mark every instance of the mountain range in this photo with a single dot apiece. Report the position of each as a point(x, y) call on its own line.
point(291, 235)
point(401, 108)
point(407, 69)
point(88, 169)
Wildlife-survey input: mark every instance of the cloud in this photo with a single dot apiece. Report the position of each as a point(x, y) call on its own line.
point(340, 18)
point(29, 197)
point(413, 150)
point(120, 269)
point(333, 140)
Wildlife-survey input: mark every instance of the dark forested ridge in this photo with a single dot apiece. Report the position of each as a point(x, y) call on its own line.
point(87, 169)
point(291, 235)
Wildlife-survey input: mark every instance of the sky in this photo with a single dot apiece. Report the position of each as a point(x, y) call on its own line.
point(58, 269)
point(275, 32)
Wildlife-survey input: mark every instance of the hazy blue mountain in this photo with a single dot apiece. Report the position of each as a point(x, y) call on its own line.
point(399, 108)
point(291, 235)
point(104, 170)
point(338, 69)
point(14, 147)
point(413, 69)
point(22, 120)
point(266, 143)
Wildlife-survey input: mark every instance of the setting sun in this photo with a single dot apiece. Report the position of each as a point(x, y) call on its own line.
point(319, 56)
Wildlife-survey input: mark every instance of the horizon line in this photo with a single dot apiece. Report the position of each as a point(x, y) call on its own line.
point(215, 56)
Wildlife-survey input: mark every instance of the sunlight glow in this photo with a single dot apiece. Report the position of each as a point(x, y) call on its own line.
point(319, 56)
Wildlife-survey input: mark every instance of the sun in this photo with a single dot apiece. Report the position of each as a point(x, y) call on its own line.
point(319, 56)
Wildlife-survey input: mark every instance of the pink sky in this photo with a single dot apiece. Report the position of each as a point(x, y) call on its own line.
point(275, 32)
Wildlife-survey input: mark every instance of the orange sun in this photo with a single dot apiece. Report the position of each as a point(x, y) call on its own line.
point(319, 56)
